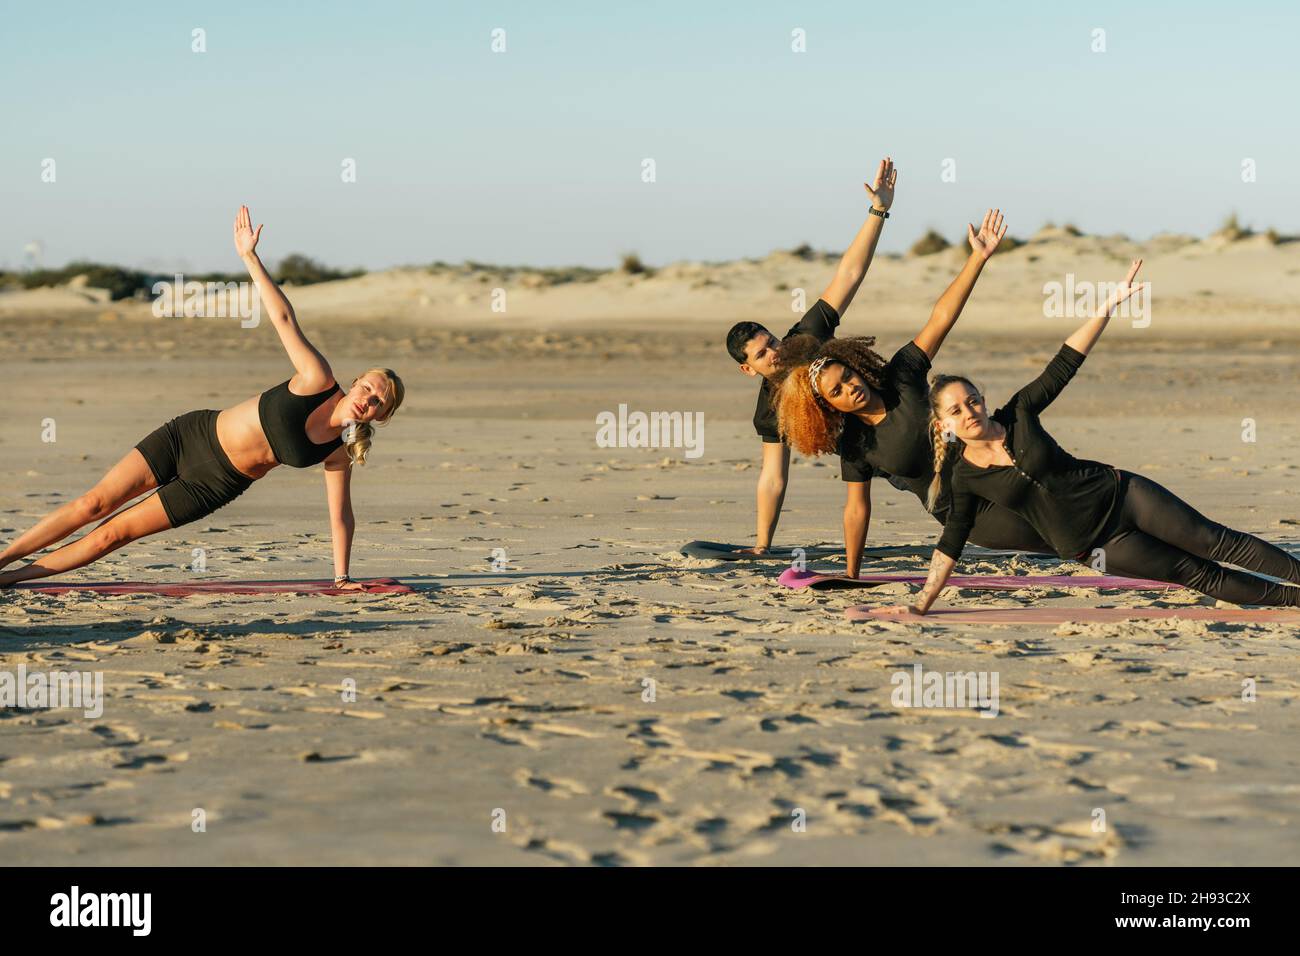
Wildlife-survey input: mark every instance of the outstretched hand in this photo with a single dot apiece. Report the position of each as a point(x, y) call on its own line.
point(245, 237)
point(991, 232)
point(1125, 289)
point(881, 190)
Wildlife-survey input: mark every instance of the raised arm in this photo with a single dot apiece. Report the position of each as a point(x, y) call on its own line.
point(310, 365)
point(1042, 391)
point(857, 260)
point(1086, 335)
point(946, 311)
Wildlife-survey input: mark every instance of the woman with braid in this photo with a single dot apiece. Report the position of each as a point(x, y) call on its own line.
point(842, 396)
point(1084, 509)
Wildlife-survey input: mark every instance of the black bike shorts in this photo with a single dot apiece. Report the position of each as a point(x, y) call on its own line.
point(195, 476)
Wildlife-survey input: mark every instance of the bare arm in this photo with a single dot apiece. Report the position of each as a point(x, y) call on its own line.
point(1042, 391)
point(312, 370)
point(940, 570)
point(1086, 336)
point(771, 491)
point(338, 493)
point(948, 309)
point(857, 518)
point(857, 259)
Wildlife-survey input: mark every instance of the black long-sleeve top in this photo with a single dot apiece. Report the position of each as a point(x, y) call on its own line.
point(1067, 500)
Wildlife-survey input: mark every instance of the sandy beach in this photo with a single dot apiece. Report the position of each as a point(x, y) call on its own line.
point(517, 694)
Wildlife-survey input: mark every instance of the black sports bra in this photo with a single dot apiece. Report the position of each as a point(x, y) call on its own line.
point(284, 421)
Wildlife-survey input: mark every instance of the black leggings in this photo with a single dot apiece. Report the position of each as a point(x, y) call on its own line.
point(1155, 534)
point(1002, 530)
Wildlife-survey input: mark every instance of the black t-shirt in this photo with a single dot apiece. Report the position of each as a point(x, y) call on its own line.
point(898, 448)
point(820, 321)
point(1067, 500)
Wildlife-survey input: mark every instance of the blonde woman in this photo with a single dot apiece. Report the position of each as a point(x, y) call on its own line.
point(1084, 509)
point(203, 460)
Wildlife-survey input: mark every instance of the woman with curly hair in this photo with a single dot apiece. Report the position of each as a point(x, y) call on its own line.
point(842, 396)
point(1085, 509)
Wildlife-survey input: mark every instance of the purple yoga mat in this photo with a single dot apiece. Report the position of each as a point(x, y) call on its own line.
point(993, 582)
point(1083, 615)
point(370, 586)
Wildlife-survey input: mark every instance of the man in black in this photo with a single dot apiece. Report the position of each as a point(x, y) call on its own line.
point(755, 349)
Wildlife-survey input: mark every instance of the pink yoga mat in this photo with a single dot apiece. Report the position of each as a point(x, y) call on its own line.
point(371, 586)
point(1084, 615)
point(992, 582)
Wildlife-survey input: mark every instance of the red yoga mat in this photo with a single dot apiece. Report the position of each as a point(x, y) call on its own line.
point(991, 582)
point(1084, 615)
point(371, 586)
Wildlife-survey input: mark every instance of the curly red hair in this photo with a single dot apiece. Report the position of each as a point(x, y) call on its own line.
point(804, 419)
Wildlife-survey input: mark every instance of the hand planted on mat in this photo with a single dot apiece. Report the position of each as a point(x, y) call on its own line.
point(902, 610)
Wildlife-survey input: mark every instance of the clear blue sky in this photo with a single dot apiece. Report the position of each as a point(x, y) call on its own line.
point(533, 156)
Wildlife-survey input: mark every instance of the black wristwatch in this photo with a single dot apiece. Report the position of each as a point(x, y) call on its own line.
point(882, 213)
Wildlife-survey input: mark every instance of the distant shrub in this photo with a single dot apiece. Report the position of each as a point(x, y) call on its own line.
point(803, 251)
point(1232, 230)
point(631, 264)
point(297, 269)
point(929, 244)
point(120, 283)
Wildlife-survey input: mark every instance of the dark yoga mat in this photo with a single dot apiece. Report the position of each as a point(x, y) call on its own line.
point(187, 589)
point(727, 552)
point(989, 582)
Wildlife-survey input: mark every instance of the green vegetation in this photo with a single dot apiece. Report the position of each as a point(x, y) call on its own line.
point(929, 244)
point(124, 283)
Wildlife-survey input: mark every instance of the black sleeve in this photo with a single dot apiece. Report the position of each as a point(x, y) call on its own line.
point(911, 364)
point(853, 461)
point(1042, 391)
point(765, 423)
point(851, 470)
point(821, 321)
point(961, 518)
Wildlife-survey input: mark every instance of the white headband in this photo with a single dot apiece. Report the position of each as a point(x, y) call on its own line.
point(814, 370)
